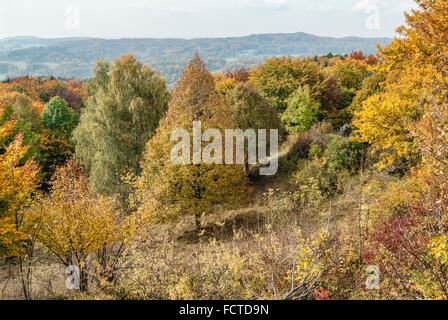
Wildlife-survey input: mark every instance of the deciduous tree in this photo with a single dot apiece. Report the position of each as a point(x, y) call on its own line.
point(124, 111)
point(82, 229)
point(412, 65)
point(170, 190)
point(278, 78)
point(17, 183)
point(302, 111)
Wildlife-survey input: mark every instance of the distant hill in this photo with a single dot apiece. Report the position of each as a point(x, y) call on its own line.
point(15, 43)
point(75, 57)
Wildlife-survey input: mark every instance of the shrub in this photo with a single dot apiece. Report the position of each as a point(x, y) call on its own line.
point(406, 235)
point(271, 265)
point(318, 134)
point(315, 151)
point(344, 154)
point(313, 182)
point(306, 146)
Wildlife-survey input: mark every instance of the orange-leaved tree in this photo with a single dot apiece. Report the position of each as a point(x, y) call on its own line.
point(17, 182)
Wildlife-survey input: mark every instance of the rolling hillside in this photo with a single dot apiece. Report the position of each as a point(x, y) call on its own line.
point(75, 57)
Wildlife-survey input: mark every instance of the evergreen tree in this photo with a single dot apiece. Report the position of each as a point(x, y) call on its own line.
point(58, 116)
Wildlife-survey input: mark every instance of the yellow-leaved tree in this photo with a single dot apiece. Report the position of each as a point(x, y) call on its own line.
point(18, 181)
point(407, 118)
point(278, 78)
point(81, 229)
point(413, 65)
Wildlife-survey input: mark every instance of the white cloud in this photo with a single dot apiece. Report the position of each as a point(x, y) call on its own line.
point(402, 7)
point(326, 6)
point(176, 9)
point(276, 3)
point(388, 6)
point(266, 4)
point(365, 5)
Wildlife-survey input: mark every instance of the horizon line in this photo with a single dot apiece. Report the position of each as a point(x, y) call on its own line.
point(186, 38)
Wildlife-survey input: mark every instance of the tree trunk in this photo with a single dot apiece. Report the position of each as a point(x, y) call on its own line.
point(83, 280)
point(25, 279)
point(198, 223)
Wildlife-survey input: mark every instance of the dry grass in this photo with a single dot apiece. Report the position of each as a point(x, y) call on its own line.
point(230, 239)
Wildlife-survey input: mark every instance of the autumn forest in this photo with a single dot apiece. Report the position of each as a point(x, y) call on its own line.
point(92, 206)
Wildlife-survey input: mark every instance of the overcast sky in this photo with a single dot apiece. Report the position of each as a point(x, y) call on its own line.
point(199, 18)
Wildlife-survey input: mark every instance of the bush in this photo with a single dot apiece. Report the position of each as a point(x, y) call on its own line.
point(258, 268)
point(313, 182)
point(306, 146)
point(315, 151)
point(344, 154)
point(318, 134)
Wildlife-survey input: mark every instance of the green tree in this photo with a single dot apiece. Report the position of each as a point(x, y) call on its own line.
point(54, 150)
point(58, 116)
point(23, 110)
point(349, 75)
point(27, 123)
point(302, 111)
point(250, 110)
point(128, 101)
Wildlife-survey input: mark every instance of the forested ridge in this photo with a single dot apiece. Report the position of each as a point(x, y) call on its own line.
point(75, 57)
point(357, 209)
